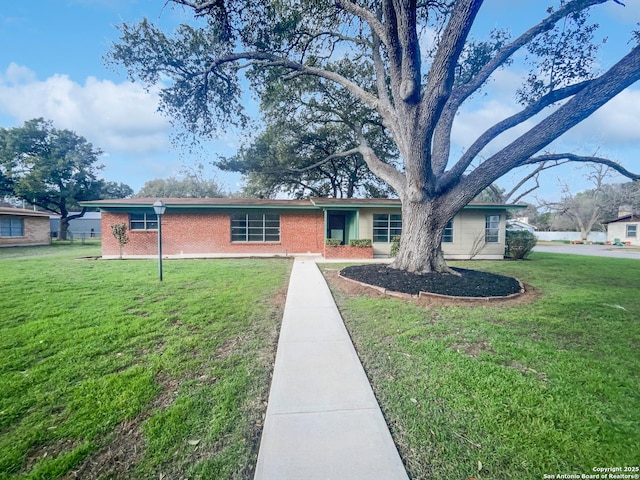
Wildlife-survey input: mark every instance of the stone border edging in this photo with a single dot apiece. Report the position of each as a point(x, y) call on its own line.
point(408, 296)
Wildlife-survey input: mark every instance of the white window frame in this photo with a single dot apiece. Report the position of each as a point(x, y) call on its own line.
point(492, 228)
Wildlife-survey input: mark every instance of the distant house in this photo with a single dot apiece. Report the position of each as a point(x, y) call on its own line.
point(205, 227)
point(89, 225)
point(21, 227)
point(520, 223)
point(624, 228)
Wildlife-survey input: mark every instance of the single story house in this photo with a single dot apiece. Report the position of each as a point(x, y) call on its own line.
point(624, 228)
point(206, 227)
point(22, 227)
point(520, 223)
point(87, 226)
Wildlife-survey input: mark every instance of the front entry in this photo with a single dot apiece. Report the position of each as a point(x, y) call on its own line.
point(336, 226)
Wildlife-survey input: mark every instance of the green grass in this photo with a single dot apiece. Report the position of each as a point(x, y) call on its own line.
point(503, 392)
point(107, 372)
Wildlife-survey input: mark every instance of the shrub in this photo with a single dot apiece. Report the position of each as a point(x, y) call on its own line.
point(520, 243)
point(395, 246)
point(333, 242)
point(363, 242)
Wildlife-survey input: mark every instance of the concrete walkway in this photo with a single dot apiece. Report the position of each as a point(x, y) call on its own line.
point(323, 421)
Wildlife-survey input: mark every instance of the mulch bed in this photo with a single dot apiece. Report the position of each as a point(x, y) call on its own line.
point(470, 283)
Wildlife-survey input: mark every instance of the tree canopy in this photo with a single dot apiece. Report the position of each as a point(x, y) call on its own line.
point(52, 169)
point(308, 147)
point(191, 184)
point(414, 91)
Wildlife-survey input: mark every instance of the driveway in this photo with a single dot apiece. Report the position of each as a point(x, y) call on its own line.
point(592, 250)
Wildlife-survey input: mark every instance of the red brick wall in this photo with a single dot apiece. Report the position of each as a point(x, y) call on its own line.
point(347, 251)
point(209, 233)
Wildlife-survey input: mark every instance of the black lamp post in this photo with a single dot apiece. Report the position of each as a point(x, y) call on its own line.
point(159, 207)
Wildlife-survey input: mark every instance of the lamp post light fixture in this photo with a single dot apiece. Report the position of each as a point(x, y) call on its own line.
point(159, 207)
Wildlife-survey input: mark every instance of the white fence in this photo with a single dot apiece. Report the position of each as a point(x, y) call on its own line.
point(571, 236)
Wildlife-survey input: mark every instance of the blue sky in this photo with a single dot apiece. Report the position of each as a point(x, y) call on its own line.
point(51, 66)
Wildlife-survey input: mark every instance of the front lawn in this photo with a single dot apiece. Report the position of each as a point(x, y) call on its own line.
point(105, 372)
point(494, 391)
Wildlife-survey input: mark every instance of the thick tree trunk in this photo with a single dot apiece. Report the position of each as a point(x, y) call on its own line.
point(64, 227)
point(420, 245)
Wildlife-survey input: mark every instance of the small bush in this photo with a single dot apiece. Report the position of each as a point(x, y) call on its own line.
point(363, 242)
point(395, 246)
point(520, 243)
point(333, 242)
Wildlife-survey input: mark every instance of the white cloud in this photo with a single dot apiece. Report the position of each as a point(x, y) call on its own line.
point(118, 117)
point(615, 123)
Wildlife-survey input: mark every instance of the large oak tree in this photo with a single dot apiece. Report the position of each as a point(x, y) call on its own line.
point(417, 89)
point(53, 169)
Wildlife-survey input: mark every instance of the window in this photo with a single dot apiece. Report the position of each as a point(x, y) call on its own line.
point(386, 226)
point(448, 232)
point(255, 227)
point(492, 229)
point(11, 227)
point(143, 221)
point(632, 231)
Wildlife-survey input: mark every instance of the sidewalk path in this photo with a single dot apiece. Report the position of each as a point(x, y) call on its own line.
point(323, 421)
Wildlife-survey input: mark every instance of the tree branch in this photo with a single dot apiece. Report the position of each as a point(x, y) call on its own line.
point(387, 172)
point(366, 16)
point(464, 91)
point(519, 152)
point(570, 157)
point(328, 158)
point(269, 59)
point(460, 94)
point(499, 128)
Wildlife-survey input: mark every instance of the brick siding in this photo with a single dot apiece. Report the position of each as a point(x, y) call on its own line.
point(37, 231)
point(210, 233)
point(347, 251)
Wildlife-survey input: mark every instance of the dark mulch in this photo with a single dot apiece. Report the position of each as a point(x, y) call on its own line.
point(470, 283)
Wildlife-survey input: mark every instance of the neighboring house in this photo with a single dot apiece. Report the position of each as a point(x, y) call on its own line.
point(201, 227)
point(89, 225)
point(21, 227)
point(625, 229)
point(520, 223)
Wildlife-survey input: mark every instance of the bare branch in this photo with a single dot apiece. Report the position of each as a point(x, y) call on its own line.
point(570, 157)
point(535, 174)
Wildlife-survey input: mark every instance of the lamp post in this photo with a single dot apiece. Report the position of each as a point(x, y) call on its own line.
point(159, 207)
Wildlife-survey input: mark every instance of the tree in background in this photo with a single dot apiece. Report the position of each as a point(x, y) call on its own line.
point(420, 86)
point(51, 169)
point(308, 147)
point(584, 210)
point(192, 183)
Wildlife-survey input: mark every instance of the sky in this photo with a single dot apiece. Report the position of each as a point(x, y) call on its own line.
point(52, 66)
